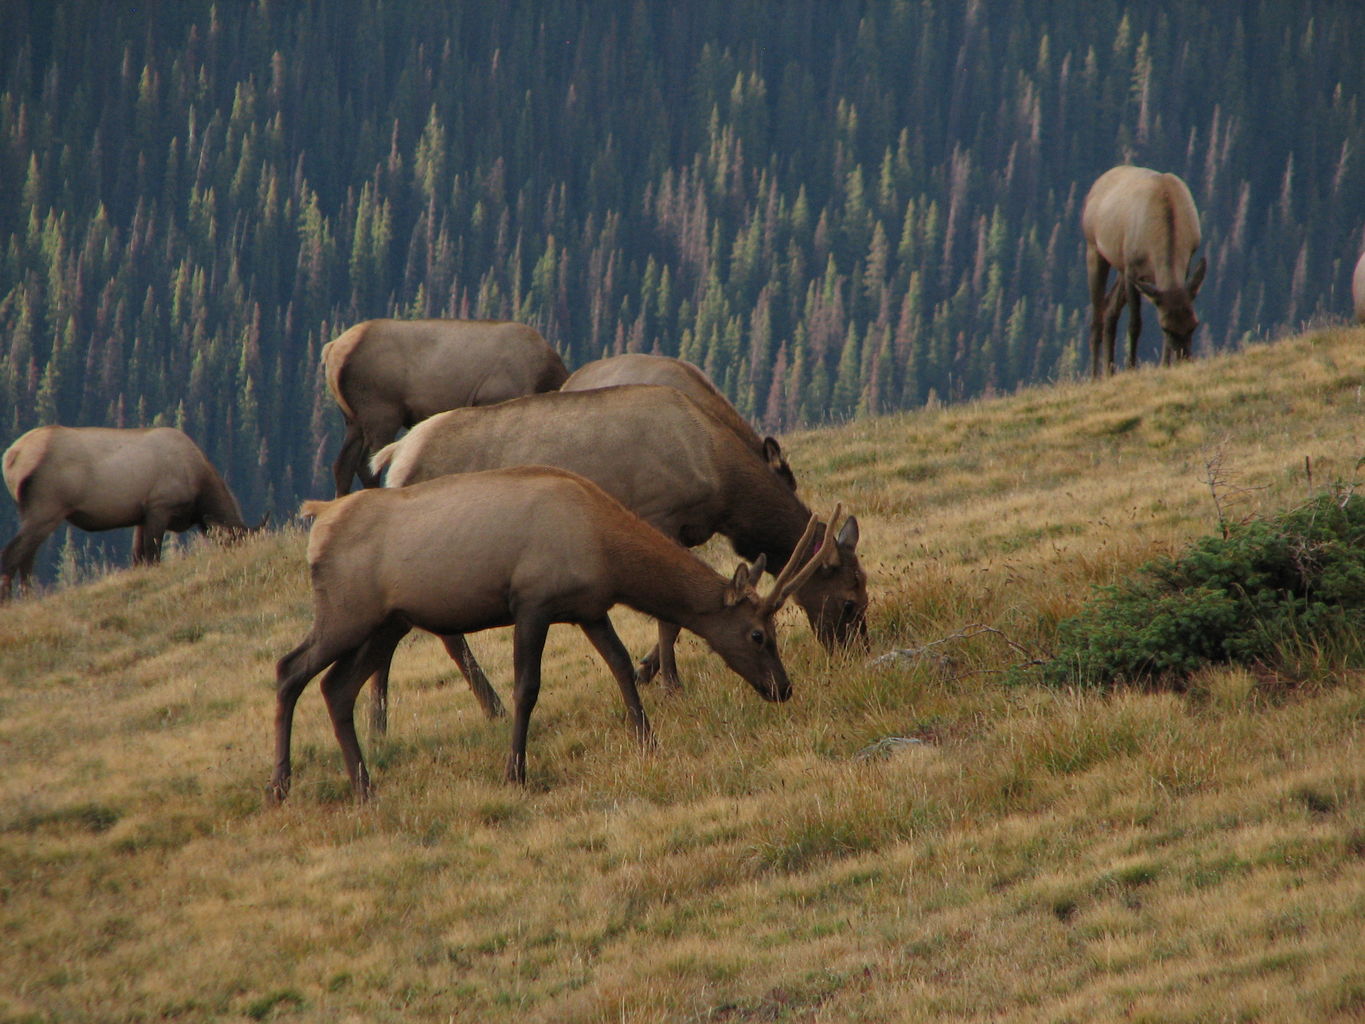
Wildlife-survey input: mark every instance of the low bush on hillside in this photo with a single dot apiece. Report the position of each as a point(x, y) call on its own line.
point(1276, 592)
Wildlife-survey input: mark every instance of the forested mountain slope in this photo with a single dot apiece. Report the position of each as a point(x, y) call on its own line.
point(834, 207)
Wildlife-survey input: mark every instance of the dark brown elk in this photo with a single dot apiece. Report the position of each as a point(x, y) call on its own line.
point(389, 374)
point(642, 368)
point(1144, 225)
point(1358, 289)
point(524, 547)
point(665, 458)
point(101, 478)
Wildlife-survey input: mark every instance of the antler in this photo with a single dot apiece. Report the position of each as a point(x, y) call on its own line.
point(790, 579)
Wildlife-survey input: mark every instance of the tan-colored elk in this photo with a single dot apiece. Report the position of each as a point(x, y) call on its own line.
point(389, 374)
point(644, 368)
point(523, 547)
point(1358, 289)
point(665, 458)
point(1143, 224)
point(102, 478)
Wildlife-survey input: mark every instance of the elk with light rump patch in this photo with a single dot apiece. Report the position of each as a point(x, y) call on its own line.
point(525, 547)
point(1144, 225)
point(389, 374)
point(106, 478)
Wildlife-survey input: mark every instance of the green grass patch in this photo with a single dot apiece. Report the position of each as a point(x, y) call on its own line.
point(1286, 592)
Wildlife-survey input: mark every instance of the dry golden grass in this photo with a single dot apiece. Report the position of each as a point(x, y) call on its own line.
point(1037, 855)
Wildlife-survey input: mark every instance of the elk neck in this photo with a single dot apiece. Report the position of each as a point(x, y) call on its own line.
point(662, 579)
point(766, 518)
point(217, 506)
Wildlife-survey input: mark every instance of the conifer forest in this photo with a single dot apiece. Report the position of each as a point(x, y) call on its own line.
point(837, 208)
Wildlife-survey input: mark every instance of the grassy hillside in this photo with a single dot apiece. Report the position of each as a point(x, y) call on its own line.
point(1035, 855)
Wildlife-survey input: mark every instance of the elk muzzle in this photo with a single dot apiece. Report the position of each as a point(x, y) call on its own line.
point(777, 688)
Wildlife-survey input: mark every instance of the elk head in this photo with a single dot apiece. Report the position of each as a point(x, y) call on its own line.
point(834, 594)
point(744, 635)
point(1175, 312)
point(236, 534)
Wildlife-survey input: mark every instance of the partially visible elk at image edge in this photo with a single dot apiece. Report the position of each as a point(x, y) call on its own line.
point(105, 478)
point(1358, 289)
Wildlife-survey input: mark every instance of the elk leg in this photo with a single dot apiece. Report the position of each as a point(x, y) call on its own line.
point(660, 660)
point(458, 649)
point(1113, 307)
point(649, 666)
point(528, 644)
point(668, 665)
point(1134, 322)
point(341, 686)
point(18, 555)
point(148, 535)
point(377, 430)
point(614, 653)
point(1097, 276)
point(379, 702)
point(292, 673)
point(350, 459)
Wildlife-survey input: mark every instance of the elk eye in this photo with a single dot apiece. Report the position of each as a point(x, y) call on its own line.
point(850, 607)
point(757, 637)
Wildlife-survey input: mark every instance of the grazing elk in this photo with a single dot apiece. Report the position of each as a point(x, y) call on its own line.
point(389, 374)
point(641, 368)
point(666, 459)
point(1358, 289)
point(1143, 224)
point(523, 547)
point(101, 478)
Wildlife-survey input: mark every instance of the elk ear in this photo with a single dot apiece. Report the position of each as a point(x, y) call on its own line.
point(745, 578)
point(1197, 277)
point(1147, 288)
point(848, 534)
point(777, 461)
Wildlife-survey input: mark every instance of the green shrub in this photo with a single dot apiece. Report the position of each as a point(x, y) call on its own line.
point(1267, 593)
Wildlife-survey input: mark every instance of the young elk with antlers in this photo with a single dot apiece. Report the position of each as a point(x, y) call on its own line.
point(525, 547)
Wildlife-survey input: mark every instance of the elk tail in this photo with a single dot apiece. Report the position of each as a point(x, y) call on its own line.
point(382, 459)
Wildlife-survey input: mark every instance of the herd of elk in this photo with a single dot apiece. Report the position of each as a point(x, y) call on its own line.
point(524, 495)
point(1144, 225)
point(665, 458)
point(389, 374)
point(103, 478)
point(526, 547)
